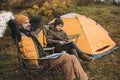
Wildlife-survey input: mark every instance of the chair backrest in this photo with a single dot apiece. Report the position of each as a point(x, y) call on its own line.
point(46, 28)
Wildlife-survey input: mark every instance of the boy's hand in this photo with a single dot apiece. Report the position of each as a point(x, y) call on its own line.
point(62, 42)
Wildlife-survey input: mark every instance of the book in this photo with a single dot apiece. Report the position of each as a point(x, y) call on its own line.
point(52, 56)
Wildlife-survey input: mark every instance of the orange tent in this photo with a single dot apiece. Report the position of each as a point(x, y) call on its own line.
point(93, 39)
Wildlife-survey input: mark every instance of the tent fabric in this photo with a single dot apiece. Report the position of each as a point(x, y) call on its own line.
point(97, 56)
point(93, 39)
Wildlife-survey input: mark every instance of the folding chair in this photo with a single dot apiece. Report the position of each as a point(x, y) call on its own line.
point(41, 72)
point(71, 37)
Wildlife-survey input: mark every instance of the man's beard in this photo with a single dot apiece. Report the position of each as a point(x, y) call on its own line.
point(28, 28)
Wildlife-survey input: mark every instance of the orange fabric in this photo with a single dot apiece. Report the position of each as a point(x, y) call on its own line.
point(21, 18)
point(96, 37)
point(92, 37)
point(28, 50)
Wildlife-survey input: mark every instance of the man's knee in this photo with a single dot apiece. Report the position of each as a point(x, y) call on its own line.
point(71, 56)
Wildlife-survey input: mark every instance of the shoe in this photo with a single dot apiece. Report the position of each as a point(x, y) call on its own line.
point(86, 57)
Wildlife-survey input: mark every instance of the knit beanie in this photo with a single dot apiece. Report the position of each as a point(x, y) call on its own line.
point(58, 21)
point(20, 18)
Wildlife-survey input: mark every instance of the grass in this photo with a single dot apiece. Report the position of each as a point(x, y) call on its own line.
point(105, 68)
point(8, 66)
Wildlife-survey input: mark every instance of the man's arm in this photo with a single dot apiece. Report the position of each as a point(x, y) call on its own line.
point(14, 30)
point(35, 21)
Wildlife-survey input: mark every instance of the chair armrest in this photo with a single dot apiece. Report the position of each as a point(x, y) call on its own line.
point(48, 48)
point(24, 58)
point(73, 36)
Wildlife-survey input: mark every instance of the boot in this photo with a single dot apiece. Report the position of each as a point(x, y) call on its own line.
point(86, 58)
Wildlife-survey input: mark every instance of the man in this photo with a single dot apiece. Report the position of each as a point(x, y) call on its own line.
point(30, 47)
point(58, 38)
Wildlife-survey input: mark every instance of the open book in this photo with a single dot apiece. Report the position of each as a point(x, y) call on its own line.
point(53, 56)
